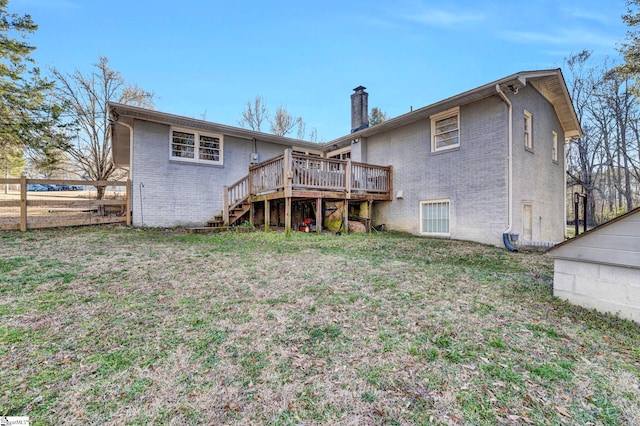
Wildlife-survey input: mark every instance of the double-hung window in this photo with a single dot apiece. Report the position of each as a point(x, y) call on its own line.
point(434, 217)
point(445, 130)
point(187, 145)
point(528, 130)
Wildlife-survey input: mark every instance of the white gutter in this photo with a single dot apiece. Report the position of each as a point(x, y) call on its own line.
point(510, 160)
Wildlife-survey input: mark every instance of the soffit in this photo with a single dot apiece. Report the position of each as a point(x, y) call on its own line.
point(555, 91)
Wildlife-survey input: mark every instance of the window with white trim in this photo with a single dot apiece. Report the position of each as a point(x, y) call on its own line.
point(445, 130)
point(434, 217)
point(340, 154)
point(528, 130)
point(554, 146)
point(187, 145)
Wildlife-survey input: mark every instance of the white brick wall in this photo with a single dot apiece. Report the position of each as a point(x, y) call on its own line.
point(612, 289)
point(536, 178)
point(473, 177)
point(173, 193)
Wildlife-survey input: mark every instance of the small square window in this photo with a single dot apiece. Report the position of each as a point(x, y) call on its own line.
point(183, 145)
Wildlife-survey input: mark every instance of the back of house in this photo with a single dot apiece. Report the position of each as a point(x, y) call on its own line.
point(476, 166)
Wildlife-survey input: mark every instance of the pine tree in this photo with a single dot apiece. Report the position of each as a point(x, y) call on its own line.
point(376, 116)
point(26, 118)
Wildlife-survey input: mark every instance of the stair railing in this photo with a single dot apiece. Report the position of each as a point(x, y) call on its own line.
point(233, 196)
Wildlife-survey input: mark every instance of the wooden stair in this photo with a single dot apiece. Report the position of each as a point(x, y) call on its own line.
point(235, 215)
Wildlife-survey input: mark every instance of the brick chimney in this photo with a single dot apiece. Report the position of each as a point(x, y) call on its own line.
point(359, 109)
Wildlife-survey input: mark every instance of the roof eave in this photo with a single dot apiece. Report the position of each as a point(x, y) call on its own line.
point(569, 119)
point(175, 120)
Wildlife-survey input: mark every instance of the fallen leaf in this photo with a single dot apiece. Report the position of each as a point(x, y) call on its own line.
point(232, 406)
point(563, 411)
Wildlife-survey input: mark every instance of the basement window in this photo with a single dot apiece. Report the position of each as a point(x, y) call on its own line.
point(196, 147)
point(434, 218)
point(445, 130)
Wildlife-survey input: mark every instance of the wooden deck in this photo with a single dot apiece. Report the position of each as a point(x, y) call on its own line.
point(301, 176)
point(292, 176)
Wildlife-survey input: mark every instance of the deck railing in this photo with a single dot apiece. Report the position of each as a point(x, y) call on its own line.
point(267, 177)
point(303, 172)
point(318, 173)
point(368, 178)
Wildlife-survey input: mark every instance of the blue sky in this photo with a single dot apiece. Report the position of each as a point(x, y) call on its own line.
point(210, 57)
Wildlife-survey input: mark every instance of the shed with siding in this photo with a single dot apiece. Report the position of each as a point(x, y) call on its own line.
point(600, 269)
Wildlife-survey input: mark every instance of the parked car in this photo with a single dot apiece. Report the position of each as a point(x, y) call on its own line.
point(49, 187)
point(36, 187)
point(63, 187)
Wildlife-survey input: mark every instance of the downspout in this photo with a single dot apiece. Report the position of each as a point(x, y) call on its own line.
point(130, 163)
point(505, 234)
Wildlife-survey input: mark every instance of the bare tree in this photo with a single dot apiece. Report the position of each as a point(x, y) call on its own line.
point(313, 137)
point(254, 114)
point(605, 161)
point(301, 129)
point(85, 98)
point(134, 95)
point(283, 122)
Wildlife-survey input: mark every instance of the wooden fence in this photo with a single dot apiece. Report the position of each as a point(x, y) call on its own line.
point(23, 209)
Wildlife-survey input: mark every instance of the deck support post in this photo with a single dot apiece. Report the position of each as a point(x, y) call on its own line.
point(345, 217)
point(318, 215)
point(252, 213)
point(288, 189)
point(287, 217)
point(225, 205)
point(267, 215)
point(128, 205)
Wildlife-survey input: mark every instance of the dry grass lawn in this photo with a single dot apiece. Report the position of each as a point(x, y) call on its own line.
point(109, 325)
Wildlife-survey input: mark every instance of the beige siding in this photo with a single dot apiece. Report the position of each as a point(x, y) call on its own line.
point(617, 243)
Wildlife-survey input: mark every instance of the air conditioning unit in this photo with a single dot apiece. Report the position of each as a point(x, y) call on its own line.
point(255, 158)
